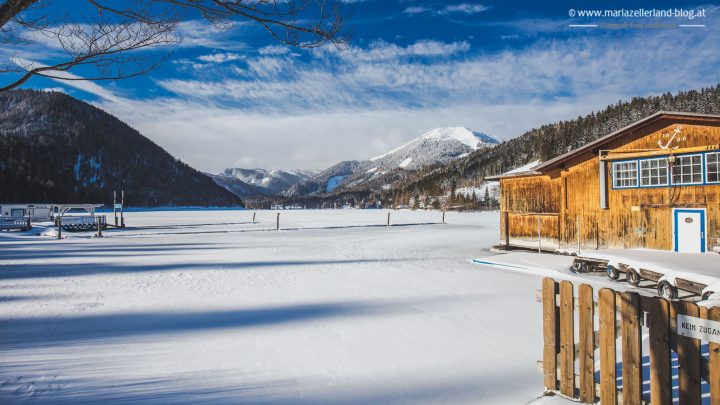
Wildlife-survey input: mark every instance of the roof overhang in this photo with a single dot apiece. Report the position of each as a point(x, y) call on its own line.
point(646, 125)
point(527, 173)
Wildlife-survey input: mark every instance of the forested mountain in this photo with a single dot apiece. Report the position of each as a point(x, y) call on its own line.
point(55, 148)
point(436, 147)
point(264, 182)
point(554, 139)
point(543, 143)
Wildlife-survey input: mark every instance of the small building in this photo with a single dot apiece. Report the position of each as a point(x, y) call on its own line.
point(46, 212)
point(654, 184)
point(36, 212)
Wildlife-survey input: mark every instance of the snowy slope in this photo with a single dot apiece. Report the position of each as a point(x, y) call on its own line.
point(439, 146)
point(238, 187)
point(271, 182)
point(206, 307)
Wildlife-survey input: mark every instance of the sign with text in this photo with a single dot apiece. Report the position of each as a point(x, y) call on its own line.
point(698, 328)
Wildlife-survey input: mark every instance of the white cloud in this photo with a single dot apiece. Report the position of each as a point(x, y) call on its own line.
point(220, 57)
point(416, 10)
point(200, 33)
point(383, 51)
point(464, 8)
point(274, 50)
point(72, 81)
point(381, 76)
point(360, 103)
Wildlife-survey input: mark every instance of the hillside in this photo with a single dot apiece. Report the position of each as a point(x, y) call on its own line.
point(436, 147)
point(261, 181)
point(55, 148)
point(551, 140)
point(545, 142)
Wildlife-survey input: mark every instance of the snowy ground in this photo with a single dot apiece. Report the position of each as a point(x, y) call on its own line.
point(204, 306)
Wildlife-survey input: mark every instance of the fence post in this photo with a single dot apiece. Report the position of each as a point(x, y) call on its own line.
point(254, 217)
point(277, 222)
point(550, 349)
point(443, 218)
point(631, 348)
point(714, 361)
point(507, 229)
point(567, 339)
point(29, 223)
point(660, 362)
point(688, 352)
point(59, 226)
point(388, 220)
point(99, 227)
point(587, 343)
point(608, 382)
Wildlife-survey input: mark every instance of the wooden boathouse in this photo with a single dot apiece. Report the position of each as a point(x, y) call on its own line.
point(654, 184)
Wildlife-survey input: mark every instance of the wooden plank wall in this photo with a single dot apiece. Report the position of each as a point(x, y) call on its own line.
point(525, 228)
point(575, 192)
point(561, 351)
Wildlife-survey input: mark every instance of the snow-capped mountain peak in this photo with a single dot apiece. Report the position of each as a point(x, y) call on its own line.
point(437, 146)
point(273, 182)
point(462, 134)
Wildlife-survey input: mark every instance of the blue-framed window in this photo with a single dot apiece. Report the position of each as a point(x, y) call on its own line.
point(654, 172)
point(712, 167)
point(688, 170)
point(625, 174)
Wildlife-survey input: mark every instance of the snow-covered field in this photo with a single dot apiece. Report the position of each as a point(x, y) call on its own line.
point(204, 306)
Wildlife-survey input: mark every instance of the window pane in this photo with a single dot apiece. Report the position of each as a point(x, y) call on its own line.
point(713, 167)
point(688, 170)
point(625, 174)
point(653, 172)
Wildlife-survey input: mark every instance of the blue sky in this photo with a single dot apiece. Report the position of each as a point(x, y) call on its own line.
point(235, 98)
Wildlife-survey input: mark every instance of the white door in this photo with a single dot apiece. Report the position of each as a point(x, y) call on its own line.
point(689, 227)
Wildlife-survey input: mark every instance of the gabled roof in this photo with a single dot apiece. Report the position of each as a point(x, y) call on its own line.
point(522, 171)
point(657, 118)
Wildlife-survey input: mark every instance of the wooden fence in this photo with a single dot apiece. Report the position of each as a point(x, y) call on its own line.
point(11, 223)
point(624, 316)
point(81, 222)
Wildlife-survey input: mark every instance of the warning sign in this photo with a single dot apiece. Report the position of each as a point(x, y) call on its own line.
point(698, 328)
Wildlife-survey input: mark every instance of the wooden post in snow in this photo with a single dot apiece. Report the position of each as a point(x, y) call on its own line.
point(507, 229)
point(388, 220)
point(115, 207)
point(254, 217)
point(443, 219)
point(122, 208)
point(539, 240)
point(99, 227)
point(59, 226)
point(277, 222)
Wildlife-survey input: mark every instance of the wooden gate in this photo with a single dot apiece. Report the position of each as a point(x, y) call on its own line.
point(622, 317)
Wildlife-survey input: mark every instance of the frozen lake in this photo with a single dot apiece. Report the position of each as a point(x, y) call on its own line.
point(204, 306)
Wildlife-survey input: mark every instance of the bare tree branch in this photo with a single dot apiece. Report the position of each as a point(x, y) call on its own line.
point(110, 39)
